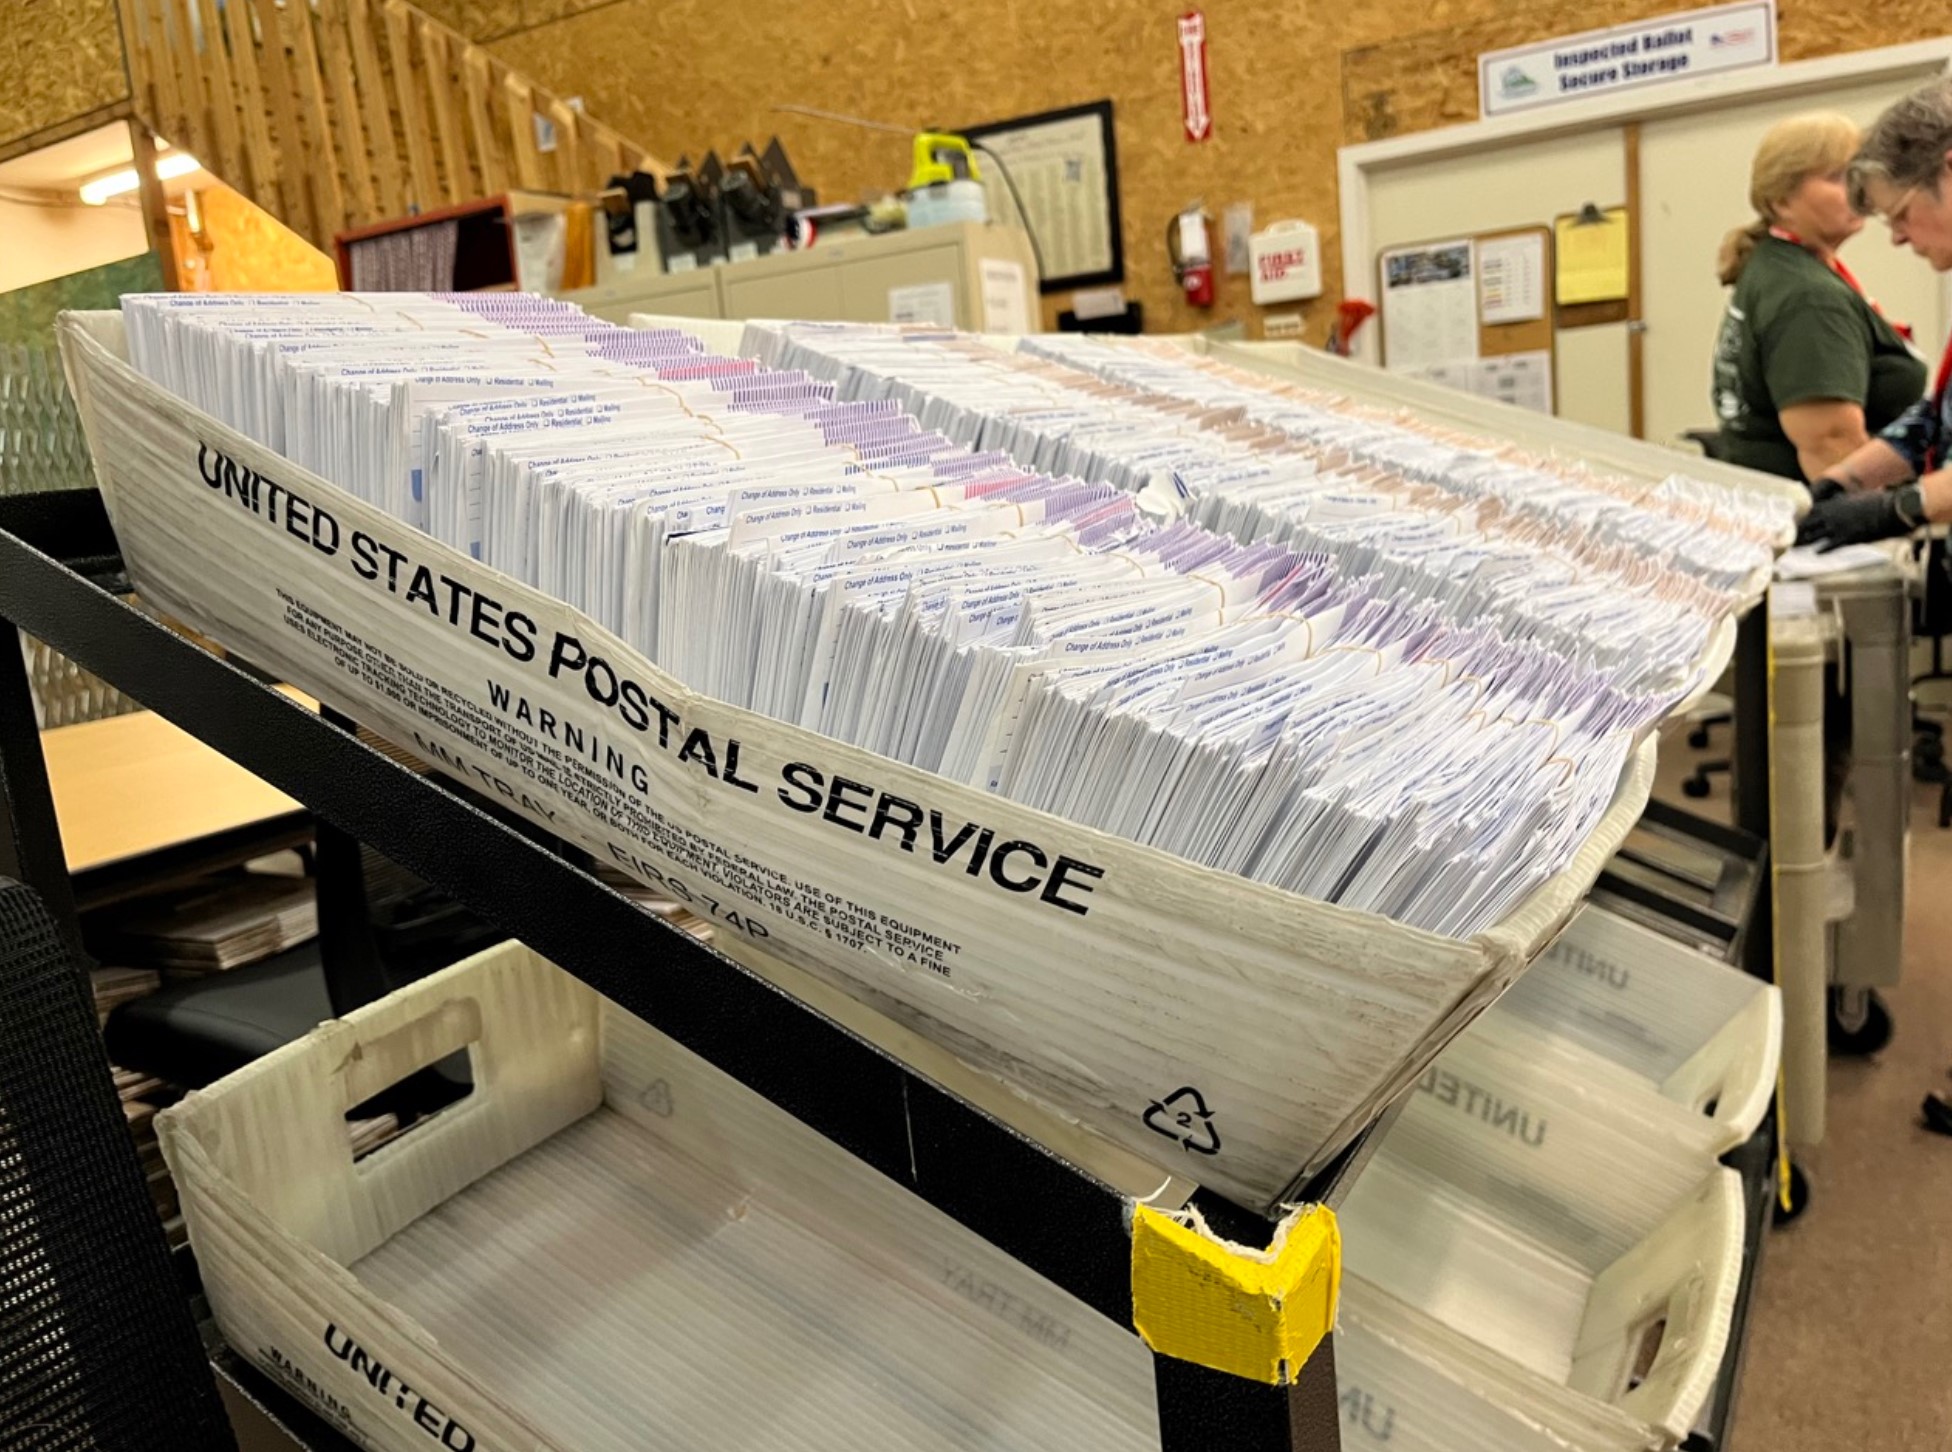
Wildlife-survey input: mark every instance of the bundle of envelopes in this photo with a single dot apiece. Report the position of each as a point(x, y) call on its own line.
point(1632, 576)
point(1416, 701)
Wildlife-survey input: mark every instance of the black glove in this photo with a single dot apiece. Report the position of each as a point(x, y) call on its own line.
point(1870, 514)
point(1825, 489)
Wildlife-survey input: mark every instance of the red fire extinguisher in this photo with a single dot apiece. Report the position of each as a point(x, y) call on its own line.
point(1189, 244)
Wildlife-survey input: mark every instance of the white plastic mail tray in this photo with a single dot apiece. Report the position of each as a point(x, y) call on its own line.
point(1549, 1246)
point(1695, 1031)
point(1301, 1020)
point(611, 1246)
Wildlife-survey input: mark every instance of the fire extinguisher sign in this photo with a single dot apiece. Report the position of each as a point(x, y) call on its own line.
point(1195, 113)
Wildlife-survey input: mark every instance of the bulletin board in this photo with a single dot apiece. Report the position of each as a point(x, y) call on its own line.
point(1475, 312)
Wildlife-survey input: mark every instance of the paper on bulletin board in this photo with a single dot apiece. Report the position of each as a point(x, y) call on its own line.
point(1511, 278)
point(1593, 258)
point(540, 238)
point(923, 302)
point(1430, 305)
point(1461, 374)
point(1523, 380)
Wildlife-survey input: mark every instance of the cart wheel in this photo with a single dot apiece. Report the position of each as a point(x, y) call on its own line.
point(1698, 738)
point(1696, 786)
point(1799, 1196)
point(1859, 1022)
point(1938, 1113)
point(1927, 757)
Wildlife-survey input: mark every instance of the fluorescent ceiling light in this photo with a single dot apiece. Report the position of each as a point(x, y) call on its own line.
point(116, 183)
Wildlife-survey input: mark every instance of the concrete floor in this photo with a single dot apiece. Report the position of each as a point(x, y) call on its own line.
point(1850, 1343)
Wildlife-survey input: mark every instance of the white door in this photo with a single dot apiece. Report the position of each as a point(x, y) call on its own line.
point(1694, 180)
point(1523, 185)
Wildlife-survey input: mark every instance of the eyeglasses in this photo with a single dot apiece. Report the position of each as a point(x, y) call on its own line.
point(1895, 218)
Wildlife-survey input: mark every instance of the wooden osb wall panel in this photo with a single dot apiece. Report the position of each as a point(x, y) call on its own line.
point(58, 59)
point(1290, 84)
point(485, 20)
point(1429, 78)
point(722, 66)
point(1810, 30)
point(252, 251)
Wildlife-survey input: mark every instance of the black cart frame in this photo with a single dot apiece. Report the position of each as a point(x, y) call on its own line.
point(61, 580)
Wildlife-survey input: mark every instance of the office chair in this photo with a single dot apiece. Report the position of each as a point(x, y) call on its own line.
point(1932, 616)
point(379, 928)
point(99, 1351)
point(1698, 785)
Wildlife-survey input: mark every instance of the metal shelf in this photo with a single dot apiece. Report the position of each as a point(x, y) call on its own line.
point(1755, 1161)
point(59, 578)
point(59, 570)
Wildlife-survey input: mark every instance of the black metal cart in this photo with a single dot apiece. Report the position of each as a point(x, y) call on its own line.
point(61, 580)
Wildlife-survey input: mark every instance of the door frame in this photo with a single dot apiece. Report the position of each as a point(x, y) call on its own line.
point(1355, 164)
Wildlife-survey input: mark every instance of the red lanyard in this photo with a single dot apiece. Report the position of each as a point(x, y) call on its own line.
point(1836, 265)
point(1934, 456)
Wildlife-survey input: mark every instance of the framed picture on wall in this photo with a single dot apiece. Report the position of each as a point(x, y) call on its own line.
point(1061, 169)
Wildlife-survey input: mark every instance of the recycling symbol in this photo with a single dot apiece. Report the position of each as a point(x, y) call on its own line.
point(1183, 1115)
point(657, 1098)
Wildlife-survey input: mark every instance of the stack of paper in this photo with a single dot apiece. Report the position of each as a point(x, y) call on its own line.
point(132, 1084)
point(1411, 698)
point(367, 1135)
point(216, 925)
point(141, 1117)
point(135, 1088)
point(654, 902)
point(114, 987)
point(1810, 563)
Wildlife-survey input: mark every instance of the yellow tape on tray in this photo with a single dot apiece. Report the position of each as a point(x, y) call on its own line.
point(1253, 1314)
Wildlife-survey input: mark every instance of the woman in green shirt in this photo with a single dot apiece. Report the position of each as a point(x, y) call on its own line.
point(1806, 367)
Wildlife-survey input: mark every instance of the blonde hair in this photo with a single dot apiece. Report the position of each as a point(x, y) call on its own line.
point(1906, 146)
point(1792, 151)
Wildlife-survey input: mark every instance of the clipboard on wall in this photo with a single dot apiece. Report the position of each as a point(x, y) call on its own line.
point(1595, 252)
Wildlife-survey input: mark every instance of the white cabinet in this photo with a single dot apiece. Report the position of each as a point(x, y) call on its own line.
point(976, 276)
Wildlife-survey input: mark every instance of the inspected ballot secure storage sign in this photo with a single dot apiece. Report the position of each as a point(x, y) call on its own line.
point(1625, 57)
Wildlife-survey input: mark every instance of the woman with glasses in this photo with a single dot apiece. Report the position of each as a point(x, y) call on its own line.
point(1898, 480)
point(1806, 365)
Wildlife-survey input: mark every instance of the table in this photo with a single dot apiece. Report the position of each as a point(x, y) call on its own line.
point(133, 784)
